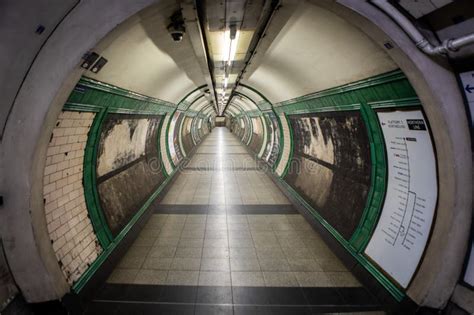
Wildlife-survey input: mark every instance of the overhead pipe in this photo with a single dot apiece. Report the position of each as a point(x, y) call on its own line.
point(449, 45)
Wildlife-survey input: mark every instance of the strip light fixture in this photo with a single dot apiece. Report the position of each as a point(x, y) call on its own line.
point(229, 49)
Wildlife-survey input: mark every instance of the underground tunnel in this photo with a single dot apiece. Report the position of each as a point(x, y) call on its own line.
point(236, 157)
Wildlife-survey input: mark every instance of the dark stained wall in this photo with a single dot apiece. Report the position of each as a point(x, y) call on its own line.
point(272, 148)
point(129, 167)
point(257, 135)
point(331, 166)
point(187, 139)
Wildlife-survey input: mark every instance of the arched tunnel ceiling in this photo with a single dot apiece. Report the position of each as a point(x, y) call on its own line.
point(243, 103)
point(311, 51)
point(199, 105)
point(143, 58)
point(234, 111)
point(254, 96)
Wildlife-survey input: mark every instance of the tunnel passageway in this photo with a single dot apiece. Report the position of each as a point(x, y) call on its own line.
point(236, 157)
point(225, 239)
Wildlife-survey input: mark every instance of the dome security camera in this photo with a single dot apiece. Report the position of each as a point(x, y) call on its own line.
point(176, 35)
point(176, 28)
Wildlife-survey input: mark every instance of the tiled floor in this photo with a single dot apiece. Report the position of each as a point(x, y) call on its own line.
point(274, 250)
point(224, 224)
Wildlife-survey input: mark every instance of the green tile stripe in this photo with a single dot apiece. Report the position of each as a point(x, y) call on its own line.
point(385, 87)
point(92, 95)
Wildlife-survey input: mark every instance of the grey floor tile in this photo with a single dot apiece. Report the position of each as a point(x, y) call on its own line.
point(280, 279)
point(313, 279)
point(215, 252)
point(166, 241)
point(343, 279)
point(216, 242)
point(123, 276)
point(182, 277)
point(241, 242)
point(215, 234)
point(239, 234)
point(291, 252)
point(243, 252)
point(188, 252)
point(152, 233)
point(214, 278)
point(247, 279)
point(192, 234)
point(274, 264)
point(132, 262)
point(157, 263)
point(162, 252)
point(331, 264)
point(244, 264)
point(304, 264)
point(191, 242)
point(185, 264)
point(215, 264)
point(138, 251)
point(270, 253)
point(155, 277)
point(144, 241)
point(293, 242)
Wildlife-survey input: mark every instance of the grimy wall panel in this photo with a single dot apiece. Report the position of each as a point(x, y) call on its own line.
point(331, 166)
point(257, 135)
point(128, 166)
point(272, 148)
point(188, 143)
point(173, 138)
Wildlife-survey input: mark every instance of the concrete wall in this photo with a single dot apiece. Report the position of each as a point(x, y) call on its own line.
point(69, 226)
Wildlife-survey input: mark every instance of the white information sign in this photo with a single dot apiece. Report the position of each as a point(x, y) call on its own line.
point(467, 79)
point(400, 237)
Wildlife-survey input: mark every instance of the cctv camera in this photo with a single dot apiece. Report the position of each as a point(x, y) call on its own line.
point(176, 28)
point(176, 35)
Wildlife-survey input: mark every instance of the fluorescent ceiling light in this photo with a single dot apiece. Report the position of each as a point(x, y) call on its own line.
point(233, 47)
point(229, 48)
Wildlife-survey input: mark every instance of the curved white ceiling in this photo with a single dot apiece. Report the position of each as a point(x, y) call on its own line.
point(313, 51)
point(143, 58)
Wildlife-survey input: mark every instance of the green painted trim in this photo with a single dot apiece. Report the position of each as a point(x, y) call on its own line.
point(280, 144)
point(92, 95)
point(249, 119)
point(378, 180)
point(384, 78)
point(78, 107)
point(381, 278)
point(112, 89)
point(91, 194)
point(265, 136)
point(381, 89)
point(167, 144)
point(180, 136)
point(290, 157)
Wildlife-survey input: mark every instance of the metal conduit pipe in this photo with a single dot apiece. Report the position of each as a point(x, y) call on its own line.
point(421, 42)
